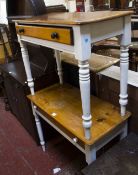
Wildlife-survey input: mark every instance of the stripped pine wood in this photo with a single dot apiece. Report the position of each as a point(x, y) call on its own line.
point(75, 18)
point(56, 34)
point(65, 103)
point(97, 62)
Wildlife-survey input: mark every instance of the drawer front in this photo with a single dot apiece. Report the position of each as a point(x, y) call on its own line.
point(56, 34)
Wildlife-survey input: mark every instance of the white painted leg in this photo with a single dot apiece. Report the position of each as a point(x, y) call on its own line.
point(39, 130)
point(125, 41)
point(123, 79)
point(84, 77)
point(26, 62)
point(90, 154)
point(124, 132)
point(59, 67)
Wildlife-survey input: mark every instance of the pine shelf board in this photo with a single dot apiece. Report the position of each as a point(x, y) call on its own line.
point(65, 102)
point(66, 18)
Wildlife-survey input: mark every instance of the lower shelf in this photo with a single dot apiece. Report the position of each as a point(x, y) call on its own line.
point(61, 104)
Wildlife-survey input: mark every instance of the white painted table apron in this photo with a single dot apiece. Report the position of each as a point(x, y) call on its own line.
point(84, 36)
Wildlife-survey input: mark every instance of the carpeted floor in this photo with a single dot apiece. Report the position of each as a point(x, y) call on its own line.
point(20, 155)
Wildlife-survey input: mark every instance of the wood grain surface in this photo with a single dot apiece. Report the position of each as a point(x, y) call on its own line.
point(64, 35)
point(75, 18)
point(65, 102)
point(97, 62)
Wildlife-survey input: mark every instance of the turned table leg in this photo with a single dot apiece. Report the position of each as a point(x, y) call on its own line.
point(25, 58)
point(125, 41)
point(82, 49)
point(123, 79)
point(30, 81)
point(39, 129)
point(84, 78)
point(59, 66)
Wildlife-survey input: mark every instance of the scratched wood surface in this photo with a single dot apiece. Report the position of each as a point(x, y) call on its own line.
point(65, 102)
point(75, 18)
point(97, 62)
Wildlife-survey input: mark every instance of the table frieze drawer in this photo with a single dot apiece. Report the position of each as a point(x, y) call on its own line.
point(56, 34)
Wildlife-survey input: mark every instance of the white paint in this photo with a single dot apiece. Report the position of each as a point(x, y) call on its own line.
point(75, 139)
point(70, 4)
point(101, 31)
point(124, 131)
point(88, 6)
point(90, 154)
point(53, 2)
point(114, 72)
point(61, 132)
point(126, 37)
point(26, 62)
point(82, 42)
point(84, 80)
point(131, 3)
point(40, 132)
point(30, 81)
point(3, 13)
point(39, 127)
point(123, 79)
point(59, 67)
point(125, 41)
point(56, 170)
point(50, 44)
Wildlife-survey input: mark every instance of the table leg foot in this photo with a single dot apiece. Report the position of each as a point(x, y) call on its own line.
point(39, 129)
point(124, 132)
point(43, 147)
point(90, 154)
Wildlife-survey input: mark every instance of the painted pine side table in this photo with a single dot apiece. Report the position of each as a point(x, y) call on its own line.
point(62, 105)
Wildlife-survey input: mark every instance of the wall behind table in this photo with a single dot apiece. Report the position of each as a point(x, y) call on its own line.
point(53, 2)
point(71, 4)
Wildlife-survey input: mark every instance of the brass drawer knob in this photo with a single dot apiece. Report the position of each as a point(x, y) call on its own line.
point(54, 35)
point(21, 30)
